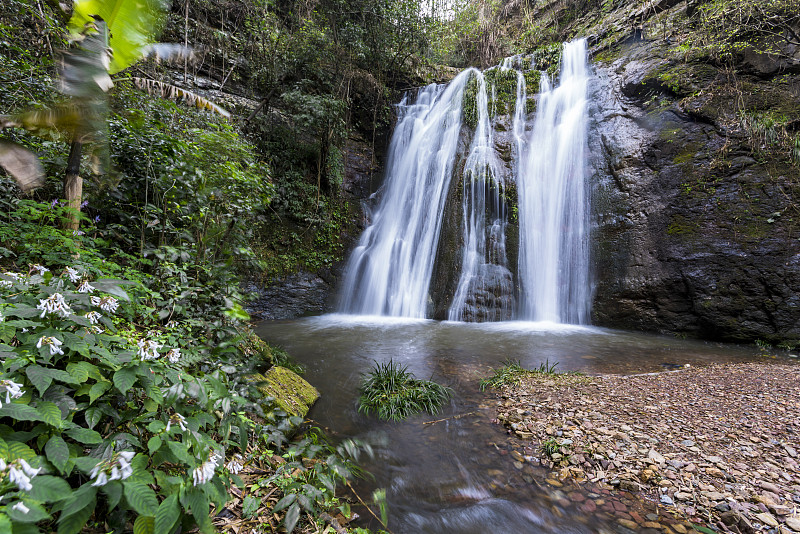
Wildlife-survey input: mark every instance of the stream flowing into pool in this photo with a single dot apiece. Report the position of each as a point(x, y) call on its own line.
point(455, 476)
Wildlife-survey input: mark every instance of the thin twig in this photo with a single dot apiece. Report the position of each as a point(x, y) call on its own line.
point(459, 416)
point(367, 507)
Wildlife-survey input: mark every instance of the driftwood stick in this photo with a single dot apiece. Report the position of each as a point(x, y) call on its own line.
point(459, 416)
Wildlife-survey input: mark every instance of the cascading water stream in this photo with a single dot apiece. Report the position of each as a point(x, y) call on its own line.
point(553, 208)
point(483, 255)
point(390, 270)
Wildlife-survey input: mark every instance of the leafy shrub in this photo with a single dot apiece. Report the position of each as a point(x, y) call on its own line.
point(393, 393)
point(101, 414)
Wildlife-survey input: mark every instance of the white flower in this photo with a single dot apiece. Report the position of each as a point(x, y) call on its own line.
point(73, 274)
point(14, 277)
point(148, 349)
point(12, 389)
point(85, 287)
point(171, 324)
point(108, 304)
point(55, 344)
point(205, 472)
point(93, 317)
point(174, 355)
point(119, 468)
point(39, 268)
point(30, 471)
point(21, 507)
point(235, 464)
point(21, 473)
point(97, 329)
point(102, 479)
point(55, 303)
point(176, 419)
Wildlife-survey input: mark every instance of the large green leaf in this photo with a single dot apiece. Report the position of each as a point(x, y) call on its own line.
point(57, 452)
point(167, 514)
point(20, 412)
point(84, 435)
point(144, 524)
point(124, 379)
point(131, 24)
point(49, 489)
point(39, 377)
point(97, 390)
point(72, 523)
point(141, 498)
point(34, 514)
point(50, 413)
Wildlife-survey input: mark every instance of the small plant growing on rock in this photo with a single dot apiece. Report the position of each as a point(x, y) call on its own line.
point(394, 394)
point(511, 373)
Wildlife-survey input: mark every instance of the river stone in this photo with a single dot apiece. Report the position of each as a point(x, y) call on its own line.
point(767, 519)
point(793, 523)
point(291, 392)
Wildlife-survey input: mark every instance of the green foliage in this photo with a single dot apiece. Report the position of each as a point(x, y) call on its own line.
point(131, 25)
point(307, 479)
point(394, 394)
point(727, 27)
point(550, 446)
point(770, 134)
point(93, 395)
point(512, 373)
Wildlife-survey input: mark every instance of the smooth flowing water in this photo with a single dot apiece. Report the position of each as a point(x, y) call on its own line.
point(482, 191)
point(553, 206)
point(389, 271)
point(454, 476)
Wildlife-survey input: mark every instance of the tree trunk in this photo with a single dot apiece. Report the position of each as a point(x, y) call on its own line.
point(73, 185)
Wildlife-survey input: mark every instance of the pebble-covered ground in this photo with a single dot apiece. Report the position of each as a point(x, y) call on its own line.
point(715, 446)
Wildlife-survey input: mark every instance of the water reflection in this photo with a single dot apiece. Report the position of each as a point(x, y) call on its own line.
point(454, 475)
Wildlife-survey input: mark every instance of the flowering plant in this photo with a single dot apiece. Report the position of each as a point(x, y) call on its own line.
point(98, 418)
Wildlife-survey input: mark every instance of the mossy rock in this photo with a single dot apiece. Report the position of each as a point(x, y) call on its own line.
point(291, 392)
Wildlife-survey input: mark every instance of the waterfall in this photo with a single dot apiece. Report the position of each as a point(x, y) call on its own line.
point(485, 287)
point(553, 210)
point(390, 269)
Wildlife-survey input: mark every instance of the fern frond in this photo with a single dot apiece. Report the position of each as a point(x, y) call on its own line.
point(172, 92)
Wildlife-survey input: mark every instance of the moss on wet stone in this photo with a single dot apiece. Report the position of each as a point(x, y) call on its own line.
point(291, 392)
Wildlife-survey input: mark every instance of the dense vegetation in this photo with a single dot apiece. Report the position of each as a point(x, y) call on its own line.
point(125, 353)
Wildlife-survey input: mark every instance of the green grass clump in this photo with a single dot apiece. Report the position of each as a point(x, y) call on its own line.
point(511, 373)
point(394, 394)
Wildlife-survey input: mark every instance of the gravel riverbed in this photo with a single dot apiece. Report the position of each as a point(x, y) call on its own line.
point(717, 446)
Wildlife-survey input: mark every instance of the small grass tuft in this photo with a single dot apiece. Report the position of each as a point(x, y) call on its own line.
point(511, 373)
point(394, 394)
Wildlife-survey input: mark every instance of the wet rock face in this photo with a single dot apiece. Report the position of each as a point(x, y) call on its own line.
point(491, 295)
point(306, 293)
point(693, 235)
point(297, 295)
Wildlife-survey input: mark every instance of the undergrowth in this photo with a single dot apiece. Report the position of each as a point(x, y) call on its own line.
point(511, 373)
point(394, 394)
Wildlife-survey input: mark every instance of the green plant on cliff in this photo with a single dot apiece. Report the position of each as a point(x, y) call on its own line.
point(392, 393)
point(725, 28)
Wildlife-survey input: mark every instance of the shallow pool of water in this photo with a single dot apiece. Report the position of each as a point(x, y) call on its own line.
point(455, 475)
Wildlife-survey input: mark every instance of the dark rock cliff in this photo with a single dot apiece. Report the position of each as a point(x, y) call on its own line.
point(696, 232)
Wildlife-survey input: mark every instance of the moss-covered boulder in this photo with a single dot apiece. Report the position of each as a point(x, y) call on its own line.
point(291, 392)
